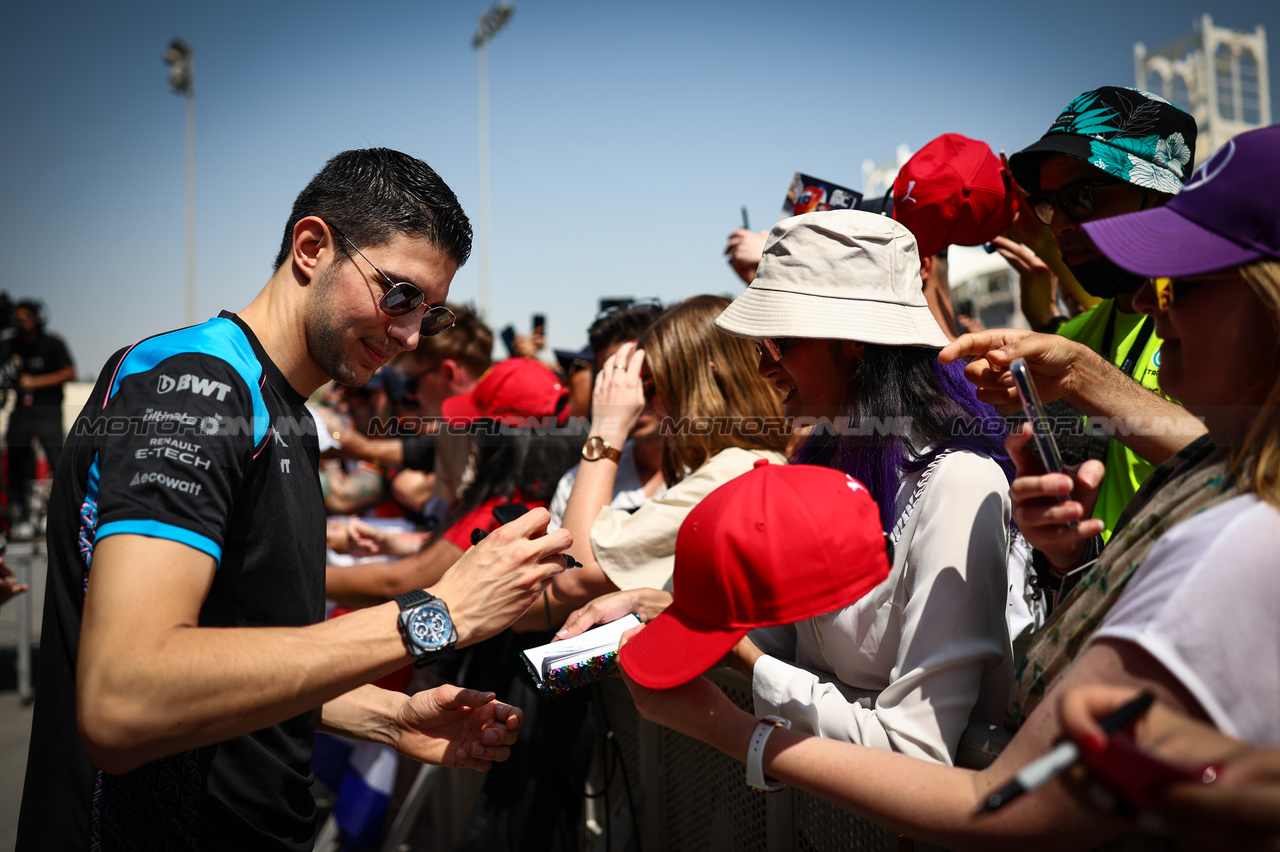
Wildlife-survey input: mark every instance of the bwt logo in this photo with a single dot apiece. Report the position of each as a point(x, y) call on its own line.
point(188, 382)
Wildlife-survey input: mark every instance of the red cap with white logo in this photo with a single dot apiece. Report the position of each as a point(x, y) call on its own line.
point(952, 192)
point(779, 544)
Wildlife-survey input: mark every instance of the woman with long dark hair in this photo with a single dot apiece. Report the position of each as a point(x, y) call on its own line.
point(845, 334)
point(1182, 601)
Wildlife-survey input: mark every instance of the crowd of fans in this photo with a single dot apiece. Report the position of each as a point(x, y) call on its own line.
point(827, 483)
point(1155, 294)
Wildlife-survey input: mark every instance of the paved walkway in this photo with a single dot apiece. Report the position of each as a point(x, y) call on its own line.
point(15, 715)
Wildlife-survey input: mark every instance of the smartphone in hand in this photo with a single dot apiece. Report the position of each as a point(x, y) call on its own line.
point(1041, 427)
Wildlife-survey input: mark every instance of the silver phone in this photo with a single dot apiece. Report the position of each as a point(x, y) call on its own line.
point(1041, 428)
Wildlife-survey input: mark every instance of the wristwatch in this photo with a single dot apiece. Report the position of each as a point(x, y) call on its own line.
point(756, 778)
point(425, 626)
point(597, 448)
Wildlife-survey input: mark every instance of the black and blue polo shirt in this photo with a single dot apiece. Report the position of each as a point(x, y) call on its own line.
point(193, 436)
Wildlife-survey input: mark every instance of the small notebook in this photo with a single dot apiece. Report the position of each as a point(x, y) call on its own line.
point(561, 666)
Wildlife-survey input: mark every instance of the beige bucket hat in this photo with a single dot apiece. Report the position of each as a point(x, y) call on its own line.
point(839, 274)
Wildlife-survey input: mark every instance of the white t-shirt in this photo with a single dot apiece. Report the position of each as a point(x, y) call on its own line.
point(628, 490)
point(905, 667)
point(1206, 604)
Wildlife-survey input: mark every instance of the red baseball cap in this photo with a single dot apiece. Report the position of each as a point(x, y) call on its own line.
point(779, 544)
point(951, 192)
point(513, 392)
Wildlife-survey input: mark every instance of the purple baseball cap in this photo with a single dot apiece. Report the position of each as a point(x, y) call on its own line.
point(1228, 214)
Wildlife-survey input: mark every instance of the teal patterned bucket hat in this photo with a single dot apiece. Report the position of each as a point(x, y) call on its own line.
point(1130, 134)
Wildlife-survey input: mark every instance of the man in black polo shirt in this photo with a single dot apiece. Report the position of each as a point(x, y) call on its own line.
point(44, 365)
point(184, 668)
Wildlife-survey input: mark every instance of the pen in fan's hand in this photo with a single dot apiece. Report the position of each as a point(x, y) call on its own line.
point(1039, 772)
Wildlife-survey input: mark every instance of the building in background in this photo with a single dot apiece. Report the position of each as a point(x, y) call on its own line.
point(878, 178)
point(985, 287)
point(1216, 74)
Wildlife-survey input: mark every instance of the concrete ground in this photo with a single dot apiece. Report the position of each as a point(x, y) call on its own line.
point(15, 714)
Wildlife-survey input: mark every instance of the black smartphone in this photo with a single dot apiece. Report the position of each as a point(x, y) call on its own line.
point(1041, 428)
point(508, 336)
point(539, 323)
point(505, 513)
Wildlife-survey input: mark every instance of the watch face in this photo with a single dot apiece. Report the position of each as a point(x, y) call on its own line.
point(430, 627)
point(593, 448)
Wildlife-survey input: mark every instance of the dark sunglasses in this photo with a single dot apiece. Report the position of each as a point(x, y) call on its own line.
point(775, 346)
point(1075, 200)
point(648, 387)
point(404, 298)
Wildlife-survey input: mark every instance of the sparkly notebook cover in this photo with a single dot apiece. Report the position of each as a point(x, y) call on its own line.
point(558, 667)
point(573, 675)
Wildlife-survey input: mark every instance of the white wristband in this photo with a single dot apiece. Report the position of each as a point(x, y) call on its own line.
point(756, 779)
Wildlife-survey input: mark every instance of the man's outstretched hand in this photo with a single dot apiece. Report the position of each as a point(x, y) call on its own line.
point(9, 585)
point(1054, 361)
point(453, 726)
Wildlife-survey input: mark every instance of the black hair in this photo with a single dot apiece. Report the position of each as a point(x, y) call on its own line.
point(934, 401)
point(374, 193)
point(36, 307)
point(528, 460)
point(622, 325)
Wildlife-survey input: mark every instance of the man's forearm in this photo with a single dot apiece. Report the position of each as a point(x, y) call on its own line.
point(364, 713)
point(374, 582)
point(202, 685)
point(384, 452)
point(1145, 422)
point(49, 380)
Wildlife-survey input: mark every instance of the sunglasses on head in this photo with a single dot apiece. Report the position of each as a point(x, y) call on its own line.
point(1076, 200)
point(776, 347)
point(404, 298)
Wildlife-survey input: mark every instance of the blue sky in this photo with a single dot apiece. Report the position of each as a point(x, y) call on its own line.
point(624, 137)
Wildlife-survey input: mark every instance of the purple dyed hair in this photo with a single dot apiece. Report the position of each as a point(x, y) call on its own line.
point(944, 413)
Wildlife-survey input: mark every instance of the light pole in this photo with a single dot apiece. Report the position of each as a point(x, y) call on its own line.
point(490, 23)
point(181, 60)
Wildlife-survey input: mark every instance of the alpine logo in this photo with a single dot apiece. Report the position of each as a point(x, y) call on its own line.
point(195, 384)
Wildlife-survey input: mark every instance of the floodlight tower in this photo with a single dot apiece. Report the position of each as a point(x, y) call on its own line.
point(181, 60)
point(490, 23)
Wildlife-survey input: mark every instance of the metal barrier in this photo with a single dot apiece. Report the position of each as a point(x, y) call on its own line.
point(689, 796)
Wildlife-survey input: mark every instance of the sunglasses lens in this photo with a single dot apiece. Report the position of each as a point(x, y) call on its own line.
point(436, 320)
point(1078, 202)
point(1042, 207)
point(771, 347)
point(1164, 292)
point(401, 299)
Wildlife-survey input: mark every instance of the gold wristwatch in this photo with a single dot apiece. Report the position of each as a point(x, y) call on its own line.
point(597, 448)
